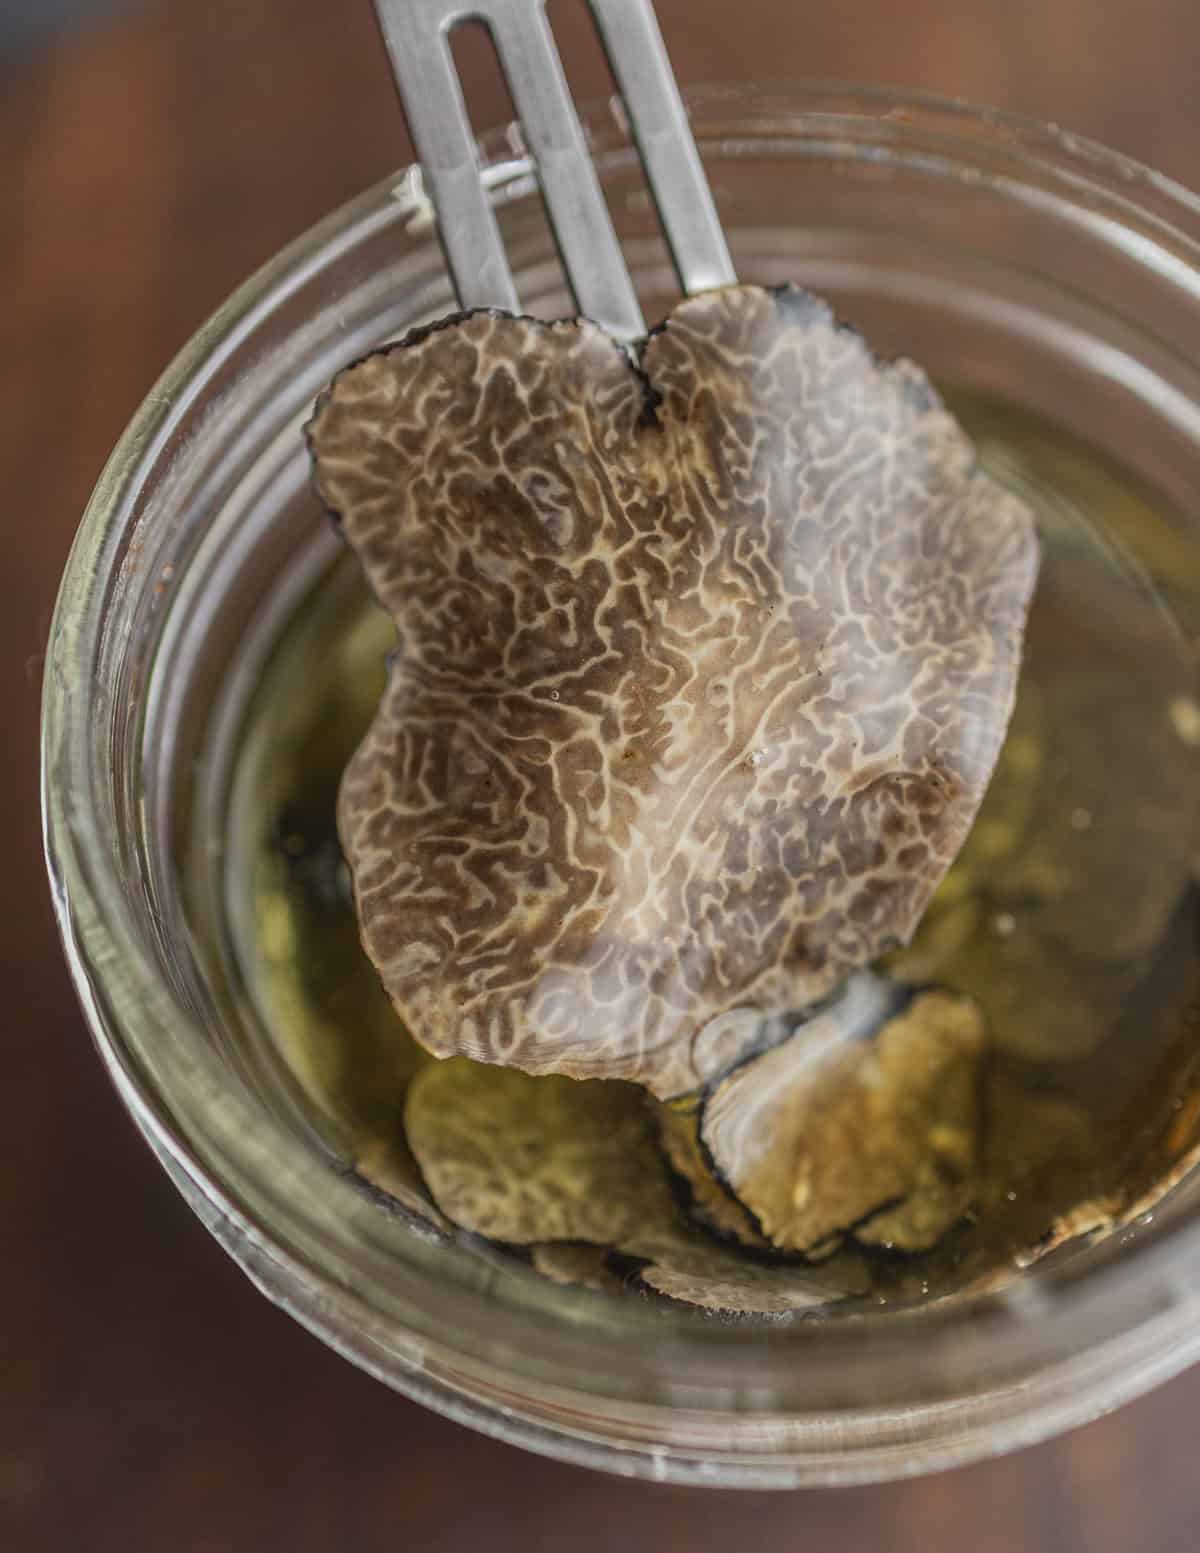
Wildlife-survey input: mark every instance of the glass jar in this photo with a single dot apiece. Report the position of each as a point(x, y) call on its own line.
point(1003, 255)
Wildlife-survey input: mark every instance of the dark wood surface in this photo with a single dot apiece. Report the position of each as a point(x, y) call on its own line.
point(150, 1400)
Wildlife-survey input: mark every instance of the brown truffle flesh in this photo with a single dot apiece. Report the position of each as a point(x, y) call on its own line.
point(523, 1160)
point(708, 1201)
point(535, 1161)
point(576, 1266)
point(703, 667)
point(385, 1163)
point(718, 1280)
point(836, 1132)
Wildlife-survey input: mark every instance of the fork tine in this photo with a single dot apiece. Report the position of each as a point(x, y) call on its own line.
point(416, 33)
point(582, 225)
point(638, 56)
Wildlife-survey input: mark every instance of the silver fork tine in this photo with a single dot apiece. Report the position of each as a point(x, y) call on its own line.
point(639, 60)
point(591, 254)
point(416, 33)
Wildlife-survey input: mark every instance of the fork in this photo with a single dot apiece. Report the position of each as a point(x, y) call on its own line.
point(417, 34)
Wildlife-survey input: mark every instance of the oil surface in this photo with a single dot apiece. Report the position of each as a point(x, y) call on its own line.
point(1071, 915)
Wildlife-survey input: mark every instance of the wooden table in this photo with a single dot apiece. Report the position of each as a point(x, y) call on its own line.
point(149, 1398)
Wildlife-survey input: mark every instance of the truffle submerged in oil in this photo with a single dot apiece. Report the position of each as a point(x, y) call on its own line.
point(1069, 917)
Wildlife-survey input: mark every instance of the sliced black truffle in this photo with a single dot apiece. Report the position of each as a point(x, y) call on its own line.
point(522, 1159)
point(704, 662)
point(708, 1201)
point(580, 1266)
point(719, 1280)
point(385, 1162)
point(877, 1135)
point(529, 1160)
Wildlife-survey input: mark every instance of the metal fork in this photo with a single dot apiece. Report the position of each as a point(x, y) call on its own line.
point(417, 34)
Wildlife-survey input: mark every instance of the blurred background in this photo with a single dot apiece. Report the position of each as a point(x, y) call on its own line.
point(152, 153)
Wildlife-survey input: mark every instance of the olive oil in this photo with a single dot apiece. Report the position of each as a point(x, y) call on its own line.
point(1071, 915)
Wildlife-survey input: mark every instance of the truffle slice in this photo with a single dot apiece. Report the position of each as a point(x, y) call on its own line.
point(386, 1164)
point(939, 1194)
point(709, 1203)
point(580, 1266)
point(719, 1280)
point(826, 1132)
point(530, 1161)
point(523, 1160)
point(704, 662)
